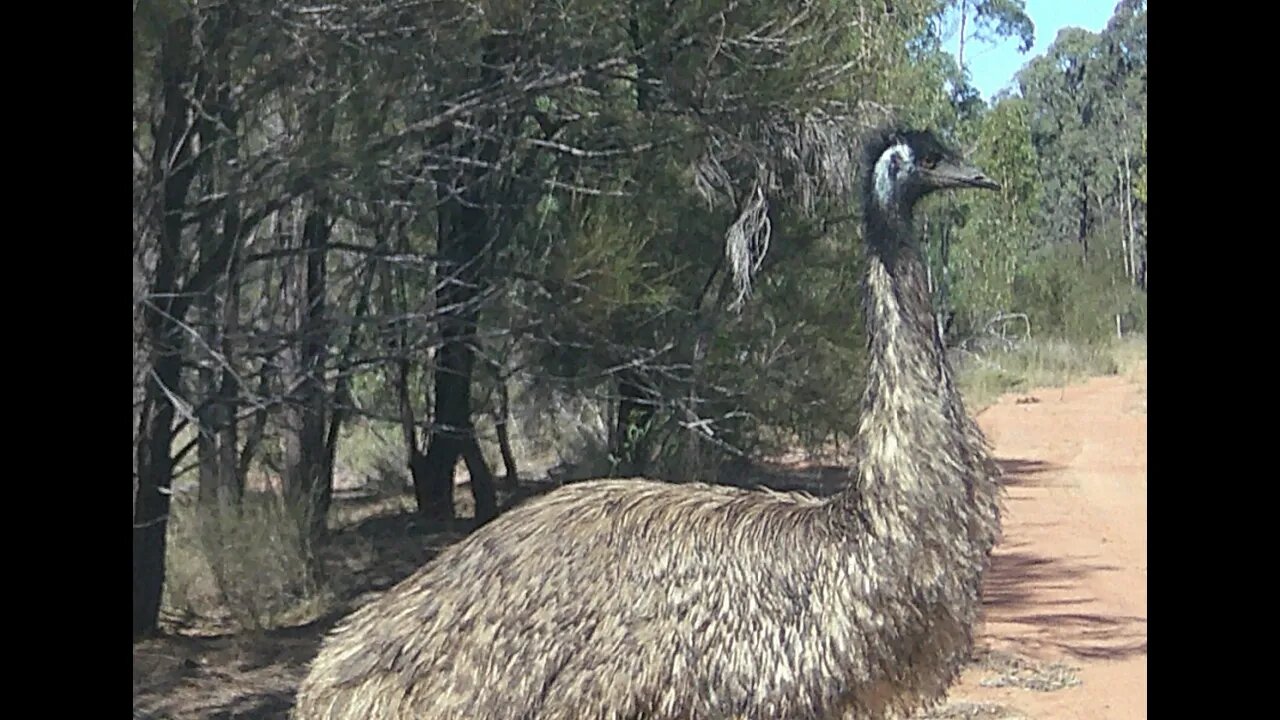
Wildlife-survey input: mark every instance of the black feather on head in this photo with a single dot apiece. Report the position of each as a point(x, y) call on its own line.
point(924, 165)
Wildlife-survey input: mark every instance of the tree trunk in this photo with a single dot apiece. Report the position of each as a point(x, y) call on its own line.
point(1125, 253)
point(206, 427)
point(452, 432)
point(408, 425)
point(164, 314)
point(151, 503)
point(1131, 259)
point(258, 425)
point(231, 481)
point(342, 399)
point(220, 484)
point(216, 126)
point(501, 420)
point(309, 483)
point(470, 199)
point(1082, 222)
point(944, 282)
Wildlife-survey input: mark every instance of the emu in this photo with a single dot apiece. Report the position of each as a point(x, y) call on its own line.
point(640, 599)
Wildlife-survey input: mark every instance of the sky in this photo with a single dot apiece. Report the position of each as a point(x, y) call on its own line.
point(992, 66)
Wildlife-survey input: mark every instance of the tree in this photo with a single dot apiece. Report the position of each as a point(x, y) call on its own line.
point(987, 19)
point(1000, 229)
point(1088, 95)
point(217, 159)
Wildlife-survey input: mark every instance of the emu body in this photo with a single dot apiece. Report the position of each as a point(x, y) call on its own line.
point(627, 599)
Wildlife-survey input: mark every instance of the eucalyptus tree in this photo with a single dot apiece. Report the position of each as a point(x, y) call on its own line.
point(1088, 99)
point(999, 233)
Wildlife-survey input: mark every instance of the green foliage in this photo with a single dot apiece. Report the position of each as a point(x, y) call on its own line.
point(1088, 94)
point(1064, 241)
point(1068, 295)
point(633, 272)
point(797, 353)
point(993, 244)
point(1004, 18)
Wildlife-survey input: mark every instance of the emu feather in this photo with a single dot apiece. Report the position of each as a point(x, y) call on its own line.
point(639, 599)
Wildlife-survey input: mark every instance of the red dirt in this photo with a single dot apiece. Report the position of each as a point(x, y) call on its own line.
point(1069, 581)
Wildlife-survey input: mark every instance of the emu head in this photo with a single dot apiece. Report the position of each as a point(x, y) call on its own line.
point(907, 165)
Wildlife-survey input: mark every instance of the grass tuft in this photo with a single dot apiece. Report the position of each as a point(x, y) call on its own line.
point(238, 569)
point(984, 377)
point(972, 711)
point(1009, 670)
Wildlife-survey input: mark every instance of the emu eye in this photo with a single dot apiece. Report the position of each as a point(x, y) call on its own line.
point(930, 161)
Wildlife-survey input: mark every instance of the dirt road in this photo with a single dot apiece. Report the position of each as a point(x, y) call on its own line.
point(1068, 589)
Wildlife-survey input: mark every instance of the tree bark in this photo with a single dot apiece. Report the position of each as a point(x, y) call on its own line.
point(268, 371)
point(501, 420)
point(308, 482)
point(221, 485)
point(1125, 254)
point(342, 401)
point(151, 503)
point(452, 431)
point(1131, 259)
point(216, 126)
point(469, 201)
point(231, 481)
point(163, 316)
point(1082, 227)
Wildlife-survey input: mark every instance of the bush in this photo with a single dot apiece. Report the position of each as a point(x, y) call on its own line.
point(983, 377)
point(248, 567)
point(1070, 296)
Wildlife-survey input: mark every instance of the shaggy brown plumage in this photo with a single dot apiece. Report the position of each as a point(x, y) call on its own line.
point(638, 599)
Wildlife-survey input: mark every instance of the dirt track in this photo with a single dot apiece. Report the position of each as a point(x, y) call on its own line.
point(1069, 582)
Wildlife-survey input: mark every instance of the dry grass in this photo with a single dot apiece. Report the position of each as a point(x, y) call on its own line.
point(1009, 670)
point(250, 568)
point(209, 665)
point(1132, 358)
point(973, 711)
point(245, 568)
point(1006, 670)
point(983, 378)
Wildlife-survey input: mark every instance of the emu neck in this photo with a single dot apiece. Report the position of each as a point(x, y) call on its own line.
point(907, 447)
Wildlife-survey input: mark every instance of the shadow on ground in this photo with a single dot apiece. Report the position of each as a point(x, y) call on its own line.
point(1020, 472)
point(1017, 591)
point(1043, 594)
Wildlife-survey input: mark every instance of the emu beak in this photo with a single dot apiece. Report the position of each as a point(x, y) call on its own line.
point(958, 174)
